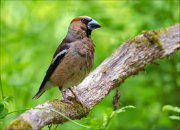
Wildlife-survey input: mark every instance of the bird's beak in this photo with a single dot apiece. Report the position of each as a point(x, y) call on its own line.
point(93, 25)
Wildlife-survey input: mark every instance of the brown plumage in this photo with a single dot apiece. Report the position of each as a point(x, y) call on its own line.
point(74, 57)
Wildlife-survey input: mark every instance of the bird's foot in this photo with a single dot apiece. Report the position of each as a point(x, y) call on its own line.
point(68, 101)
point(65, 99)
point(76, 97)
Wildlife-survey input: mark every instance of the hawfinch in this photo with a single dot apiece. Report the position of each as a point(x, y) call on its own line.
point(74, 57)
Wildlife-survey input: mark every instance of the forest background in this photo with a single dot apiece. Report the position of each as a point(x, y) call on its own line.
point(32, 30)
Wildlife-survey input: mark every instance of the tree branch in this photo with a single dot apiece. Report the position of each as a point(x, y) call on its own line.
point(127, 60)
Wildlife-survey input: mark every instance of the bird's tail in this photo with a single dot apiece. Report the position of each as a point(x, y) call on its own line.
point(39, 93)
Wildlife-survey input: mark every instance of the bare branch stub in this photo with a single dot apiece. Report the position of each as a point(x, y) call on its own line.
point(130, 58)
point(116, 99)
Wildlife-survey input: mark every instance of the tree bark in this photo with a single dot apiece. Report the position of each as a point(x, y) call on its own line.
point(130, 58)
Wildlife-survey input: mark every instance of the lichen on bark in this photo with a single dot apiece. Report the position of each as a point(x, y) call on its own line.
point(19, 124)
point(153, 37)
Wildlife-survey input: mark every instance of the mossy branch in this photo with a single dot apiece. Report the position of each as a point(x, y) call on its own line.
point(130, 58)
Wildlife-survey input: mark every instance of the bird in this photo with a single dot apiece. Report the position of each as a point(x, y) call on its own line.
point(73, 59)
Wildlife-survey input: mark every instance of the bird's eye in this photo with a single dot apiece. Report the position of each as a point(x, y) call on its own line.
point(85, 21)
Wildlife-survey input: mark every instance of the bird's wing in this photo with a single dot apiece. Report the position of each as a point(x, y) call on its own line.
point(58, 56)
point(56, 60)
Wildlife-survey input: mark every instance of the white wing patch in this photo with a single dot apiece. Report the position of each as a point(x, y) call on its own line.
point(60, 53)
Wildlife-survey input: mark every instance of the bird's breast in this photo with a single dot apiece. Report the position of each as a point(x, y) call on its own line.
point(75, 66)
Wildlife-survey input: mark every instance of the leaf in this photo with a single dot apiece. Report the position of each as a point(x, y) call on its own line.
point(3, 113)
point(171, 108)
point(8, 99)
point(1, 107)
point(123, 109)
point(174, 117)
point(105, 119)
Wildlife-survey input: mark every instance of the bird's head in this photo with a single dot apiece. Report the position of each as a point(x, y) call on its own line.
point(82, 26)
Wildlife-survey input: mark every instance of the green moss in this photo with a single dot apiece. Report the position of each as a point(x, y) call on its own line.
point(139, 40)
point(153, 37)
point(162, 31)
point(58, 103)
point(75, 106)
point(19, 124)
point(81, 109)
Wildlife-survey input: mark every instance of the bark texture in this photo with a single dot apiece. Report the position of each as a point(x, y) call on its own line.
point(130, 58)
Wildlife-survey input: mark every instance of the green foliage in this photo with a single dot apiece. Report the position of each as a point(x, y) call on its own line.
point(4, 103)
point(103, 122)
point(170, 108)
point(3, 106)
point(107, 119)
point(31, 31)
point(3, 111)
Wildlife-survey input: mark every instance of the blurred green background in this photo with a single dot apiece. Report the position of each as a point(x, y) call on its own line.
point(31, 31)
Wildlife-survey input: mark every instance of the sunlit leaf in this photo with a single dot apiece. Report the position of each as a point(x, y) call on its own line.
point(171, 108)
point(123, 109)
point(174, 117)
